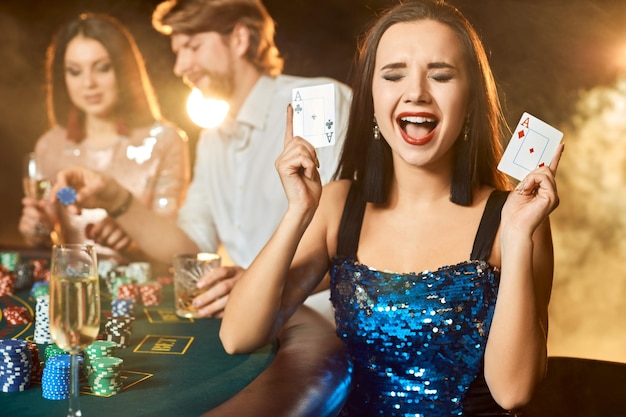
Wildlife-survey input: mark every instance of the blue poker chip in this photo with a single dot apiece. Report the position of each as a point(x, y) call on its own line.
point(67, 196)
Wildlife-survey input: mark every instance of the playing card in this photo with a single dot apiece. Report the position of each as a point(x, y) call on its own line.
point(532, 145)
point(314, 114)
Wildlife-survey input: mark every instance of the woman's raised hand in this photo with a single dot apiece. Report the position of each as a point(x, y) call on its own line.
point(534, 198)
point(297, 167)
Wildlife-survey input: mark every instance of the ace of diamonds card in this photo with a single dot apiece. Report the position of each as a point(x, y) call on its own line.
point(532, 145)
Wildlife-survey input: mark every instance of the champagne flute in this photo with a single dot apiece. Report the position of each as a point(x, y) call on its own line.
point(35, 184)
point(74, 306)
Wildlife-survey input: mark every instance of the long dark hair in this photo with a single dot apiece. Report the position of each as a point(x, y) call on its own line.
point(475, 159)
point(136, 104)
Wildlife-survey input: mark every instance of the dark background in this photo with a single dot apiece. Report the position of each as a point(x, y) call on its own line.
point(543, 53)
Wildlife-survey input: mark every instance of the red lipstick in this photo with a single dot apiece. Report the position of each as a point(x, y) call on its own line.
point(416, 141)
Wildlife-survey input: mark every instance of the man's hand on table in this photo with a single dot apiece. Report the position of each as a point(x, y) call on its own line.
point(219, 282)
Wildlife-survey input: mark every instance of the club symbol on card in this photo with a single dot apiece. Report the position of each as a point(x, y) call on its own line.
point(314, 114)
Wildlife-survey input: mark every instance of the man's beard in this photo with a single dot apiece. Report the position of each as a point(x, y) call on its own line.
point(221, 86)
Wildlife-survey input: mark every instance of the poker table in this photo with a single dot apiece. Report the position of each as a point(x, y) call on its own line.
point(178, 367)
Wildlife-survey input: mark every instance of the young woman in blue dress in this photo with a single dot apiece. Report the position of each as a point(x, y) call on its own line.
point(440, 273)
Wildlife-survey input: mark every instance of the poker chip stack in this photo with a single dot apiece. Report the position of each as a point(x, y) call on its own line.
point(55, 382)
point(40, 288)
point(97, 350)
point(15, 315)
point(10, 260)
point(128, 291)
point(115, 281)
point(107, 273)
point(106, 267)
point(42, 320)
point(140, 272)
point(7, 282)
point(122, 307)
point(15, 365)
point(51, 351)
point(24, 276)
point(36, 367)
point(118, 329)
point(39, 268)
point(150, 293)
point(106, 376)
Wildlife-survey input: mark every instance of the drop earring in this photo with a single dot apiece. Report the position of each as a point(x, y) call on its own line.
point(466, 131)
point(374, 179)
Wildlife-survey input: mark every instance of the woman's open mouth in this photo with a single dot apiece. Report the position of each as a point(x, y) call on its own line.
point(416, 129)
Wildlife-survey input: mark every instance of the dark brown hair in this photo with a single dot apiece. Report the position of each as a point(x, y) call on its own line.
point(475, 160)
point(195, 16)
point(136, 105)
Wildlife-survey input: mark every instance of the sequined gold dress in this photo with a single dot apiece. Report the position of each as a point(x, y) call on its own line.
point(416, 340)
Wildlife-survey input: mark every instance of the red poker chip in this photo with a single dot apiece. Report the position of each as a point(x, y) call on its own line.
point(127, 291)
point(15, 315)
point(39, 268)
point(150, 294)
point(7, 283)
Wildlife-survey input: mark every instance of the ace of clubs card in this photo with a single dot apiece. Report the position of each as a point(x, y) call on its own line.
point(314, 114)
point(532, 145)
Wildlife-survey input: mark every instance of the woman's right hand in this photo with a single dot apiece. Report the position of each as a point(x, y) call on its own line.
point(93, 190)
point(297, 167)
point(36, 222)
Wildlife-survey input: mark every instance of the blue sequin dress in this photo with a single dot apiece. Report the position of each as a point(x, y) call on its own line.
point(416, 340)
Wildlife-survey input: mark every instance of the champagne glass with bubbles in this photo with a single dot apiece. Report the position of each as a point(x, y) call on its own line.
point(35, 184)
point(74, 306)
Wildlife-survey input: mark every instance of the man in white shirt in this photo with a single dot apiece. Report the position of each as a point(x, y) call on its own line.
point(226, 49)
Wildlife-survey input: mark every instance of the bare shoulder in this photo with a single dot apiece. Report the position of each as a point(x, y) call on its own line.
point(481, 196)
point(51, 137)
point(337, 189)
point(330, 210)
point(334, 196)
point(168, 132)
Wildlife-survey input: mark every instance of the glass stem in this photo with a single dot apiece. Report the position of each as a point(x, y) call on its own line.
point(74, 410)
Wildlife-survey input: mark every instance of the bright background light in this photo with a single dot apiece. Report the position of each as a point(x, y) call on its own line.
point(205, 112)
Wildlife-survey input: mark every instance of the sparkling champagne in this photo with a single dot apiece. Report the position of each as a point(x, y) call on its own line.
point(36, 188)
point(74, 311)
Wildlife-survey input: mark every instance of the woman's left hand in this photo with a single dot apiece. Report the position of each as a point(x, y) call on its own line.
point(534, 198)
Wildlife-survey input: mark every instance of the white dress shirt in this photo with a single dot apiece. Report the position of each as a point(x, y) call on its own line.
point(236, 197)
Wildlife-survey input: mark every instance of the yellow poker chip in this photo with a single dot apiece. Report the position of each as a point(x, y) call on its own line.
point(67, 196)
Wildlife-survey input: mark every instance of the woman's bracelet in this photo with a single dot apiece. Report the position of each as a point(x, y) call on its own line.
point(123, 208)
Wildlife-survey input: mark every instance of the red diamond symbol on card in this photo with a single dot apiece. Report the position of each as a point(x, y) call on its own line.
point(520, 134)
point(531, 150)
point(541, 164)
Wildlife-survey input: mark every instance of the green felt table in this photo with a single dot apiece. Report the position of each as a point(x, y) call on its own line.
point(173, 366)
point(178, 367)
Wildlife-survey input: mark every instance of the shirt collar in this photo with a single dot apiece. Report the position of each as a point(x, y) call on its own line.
point(256, 108)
